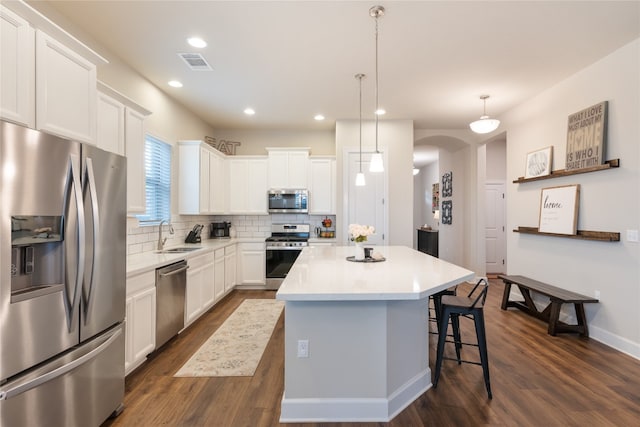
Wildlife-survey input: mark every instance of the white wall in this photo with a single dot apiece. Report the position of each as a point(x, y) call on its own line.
point(395, 138)
point(608, 199)
point(452, 239)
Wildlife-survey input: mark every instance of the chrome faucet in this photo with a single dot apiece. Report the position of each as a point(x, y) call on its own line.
point(162, 241)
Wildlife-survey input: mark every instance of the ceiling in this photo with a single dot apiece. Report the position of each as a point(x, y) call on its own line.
point(290, 60)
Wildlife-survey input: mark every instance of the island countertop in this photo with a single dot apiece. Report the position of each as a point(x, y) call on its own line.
point(324, 274)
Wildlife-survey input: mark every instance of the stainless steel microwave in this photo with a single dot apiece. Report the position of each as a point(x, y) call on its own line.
point(288, 201)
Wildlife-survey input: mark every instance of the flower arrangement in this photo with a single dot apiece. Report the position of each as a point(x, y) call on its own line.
point(359, 233)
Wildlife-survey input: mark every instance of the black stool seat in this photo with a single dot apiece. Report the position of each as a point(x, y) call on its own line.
point(437, 305)
point(454, 306)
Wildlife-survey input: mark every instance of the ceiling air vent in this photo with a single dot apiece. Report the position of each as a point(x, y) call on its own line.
point(195, 61)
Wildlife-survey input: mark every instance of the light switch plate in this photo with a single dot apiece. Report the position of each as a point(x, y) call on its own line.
point(632, 235)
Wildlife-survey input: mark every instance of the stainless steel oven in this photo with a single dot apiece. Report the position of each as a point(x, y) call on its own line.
point(283, 247)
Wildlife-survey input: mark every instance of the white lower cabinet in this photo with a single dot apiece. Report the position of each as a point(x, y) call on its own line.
point(219, 274)
point(251, 265)
point(200, 293)
point(140, 323)
point(229, 268)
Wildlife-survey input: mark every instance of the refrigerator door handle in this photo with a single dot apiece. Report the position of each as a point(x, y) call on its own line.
point(75, 185)
point(91, 186)
point(21, 388)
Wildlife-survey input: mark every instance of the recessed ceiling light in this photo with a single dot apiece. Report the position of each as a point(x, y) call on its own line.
point(381, 112)
point(249, 111)
point(175, 83)
point(318, 117)
point(197, 42)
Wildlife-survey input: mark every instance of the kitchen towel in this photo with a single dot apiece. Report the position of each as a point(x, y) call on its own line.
point(236, 347)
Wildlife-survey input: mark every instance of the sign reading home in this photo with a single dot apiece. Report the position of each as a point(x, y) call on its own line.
point(559, 209)
point(226, 147)
point(586, 136)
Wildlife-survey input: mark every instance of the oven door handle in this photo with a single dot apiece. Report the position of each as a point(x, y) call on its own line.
point(285, 248)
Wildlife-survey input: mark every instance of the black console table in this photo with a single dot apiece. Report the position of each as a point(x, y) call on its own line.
point(428, 242)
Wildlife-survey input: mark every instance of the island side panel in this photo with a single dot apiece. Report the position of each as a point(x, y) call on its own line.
point(367, 361)
point(347, 349)
point(408, 372)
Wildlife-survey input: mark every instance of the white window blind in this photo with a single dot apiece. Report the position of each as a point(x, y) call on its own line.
point(157, 164)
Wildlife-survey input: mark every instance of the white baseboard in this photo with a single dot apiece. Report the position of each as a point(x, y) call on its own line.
point(318, 410)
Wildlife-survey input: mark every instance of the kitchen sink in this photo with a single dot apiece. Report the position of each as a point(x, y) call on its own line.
point(177, 250)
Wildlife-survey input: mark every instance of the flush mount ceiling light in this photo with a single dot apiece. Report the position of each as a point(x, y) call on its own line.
point(485, 124)
point(376, 159)
point(249, 111)
point(174, 83)
point(360, 176)
point(197, 42)
point(318, 117)
point(416, 171)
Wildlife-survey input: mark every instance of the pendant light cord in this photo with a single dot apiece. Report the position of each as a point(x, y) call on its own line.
point(360, 76)
point(376, 112)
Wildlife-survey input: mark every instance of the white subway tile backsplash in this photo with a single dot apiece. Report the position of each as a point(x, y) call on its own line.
point(144, 239)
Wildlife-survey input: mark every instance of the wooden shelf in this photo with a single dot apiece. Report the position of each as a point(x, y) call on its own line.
point(601, 236)
point(615, 163)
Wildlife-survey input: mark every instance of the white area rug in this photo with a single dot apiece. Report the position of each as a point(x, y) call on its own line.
point(235, 349)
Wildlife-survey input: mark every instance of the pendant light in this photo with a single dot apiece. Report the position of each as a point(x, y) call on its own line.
point(376, 159)
point(485, 124)
point(360, 182)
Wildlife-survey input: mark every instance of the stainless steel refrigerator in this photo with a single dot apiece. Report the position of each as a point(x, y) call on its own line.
point(62, 280)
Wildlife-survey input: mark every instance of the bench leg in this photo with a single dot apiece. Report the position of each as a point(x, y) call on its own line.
point(505, 295)
point(582, 320)
point(554, 317)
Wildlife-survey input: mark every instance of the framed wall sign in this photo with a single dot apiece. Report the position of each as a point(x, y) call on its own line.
point(586, 137)
point(539, 163)
point(435, 197)
point(447, 211)
point(559, 209)
point(447, 184)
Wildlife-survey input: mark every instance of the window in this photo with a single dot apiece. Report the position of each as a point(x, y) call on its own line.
point(157, 164)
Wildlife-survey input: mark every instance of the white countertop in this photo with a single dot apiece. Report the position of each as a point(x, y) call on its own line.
point(146, 261)
point(322, 273)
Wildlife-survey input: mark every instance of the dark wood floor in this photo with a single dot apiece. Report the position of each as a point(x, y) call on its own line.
point(537, 380)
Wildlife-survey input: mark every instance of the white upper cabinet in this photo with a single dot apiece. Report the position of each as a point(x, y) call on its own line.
point(110, 133)
point(66, 93)
point(202, 183)
point(288, 167)
point(134, 136)
point(322, 185)
point(17, 69)
point(248, 185)
point(48, 77)
point(121, 130)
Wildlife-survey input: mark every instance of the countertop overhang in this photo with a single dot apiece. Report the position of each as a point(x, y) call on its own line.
point(324, 274)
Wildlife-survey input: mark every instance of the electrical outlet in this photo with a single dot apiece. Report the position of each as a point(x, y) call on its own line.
point(597, 295)
point(303, 348)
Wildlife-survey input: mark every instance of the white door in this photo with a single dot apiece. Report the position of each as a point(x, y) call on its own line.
point(495, 228)
point(366, 204)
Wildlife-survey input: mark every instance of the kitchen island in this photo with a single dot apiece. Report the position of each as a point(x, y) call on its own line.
point(356, 333)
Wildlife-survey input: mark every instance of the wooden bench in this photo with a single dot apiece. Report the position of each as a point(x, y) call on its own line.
point(551, 313)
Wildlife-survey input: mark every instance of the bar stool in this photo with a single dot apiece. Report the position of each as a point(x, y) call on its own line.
point(437, 306)
point(470, 306)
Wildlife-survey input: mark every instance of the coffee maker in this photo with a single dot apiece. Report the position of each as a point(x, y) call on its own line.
point(219, 230)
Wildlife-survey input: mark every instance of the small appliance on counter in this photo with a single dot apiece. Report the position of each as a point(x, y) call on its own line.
point(194, 234)
point(219, 230)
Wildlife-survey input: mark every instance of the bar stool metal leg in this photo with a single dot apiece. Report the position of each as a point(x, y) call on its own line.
point(478, 318)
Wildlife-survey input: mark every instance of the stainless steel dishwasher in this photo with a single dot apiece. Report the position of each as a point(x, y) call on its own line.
point(171, 283)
